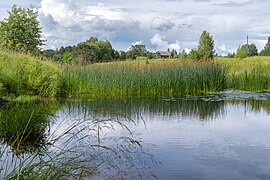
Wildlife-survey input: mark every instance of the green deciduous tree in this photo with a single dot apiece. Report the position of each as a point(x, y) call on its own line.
point(241, 53)
point(230, 55)
point(123, 55)
point(21, 31)
point(93, 50)
point(136, 51)
point(251, 49)
point(183, 55)
point(206, 46)
point(193, 54)
point(174, 53)
point(67, 58)
point(115, 54)
point(266, 49)
point(89, 51)
point(151, 55)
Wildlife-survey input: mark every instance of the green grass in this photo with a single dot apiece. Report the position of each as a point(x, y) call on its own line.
point(23, 124)
point(26, 75)
point(249, 74)
point(35, 145)
point(140, 79)
point(25, 145)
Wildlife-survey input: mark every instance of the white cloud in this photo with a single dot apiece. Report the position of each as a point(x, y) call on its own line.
point(140, 42)
point(137, 43)
point(175, 46)
point(67, 22)
point(67, 13)
point(221, 49)
point(159, 42)
point(187, 50)
point(162, 24)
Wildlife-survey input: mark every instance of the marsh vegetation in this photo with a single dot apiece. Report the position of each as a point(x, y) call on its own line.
point(83, 111)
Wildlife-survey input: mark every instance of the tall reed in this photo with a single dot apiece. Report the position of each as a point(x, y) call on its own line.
point(250, 74)
point(139, 80)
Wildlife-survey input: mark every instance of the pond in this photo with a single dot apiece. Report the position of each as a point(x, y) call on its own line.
point(224, 136)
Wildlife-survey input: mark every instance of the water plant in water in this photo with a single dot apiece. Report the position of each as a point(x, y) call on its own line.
point(69, 145)
point(141, 80)
point(23, 125)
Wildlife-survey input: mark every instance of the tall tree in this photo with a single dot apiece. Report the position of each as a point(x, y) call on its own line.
point(251, 49)
point(266, 49)
point(193, 54)
point(241, 53)
point(183, 55)
point(174, 53)
point(136, 51)
point(21, 31)
point(206, 46)
point(123, 55)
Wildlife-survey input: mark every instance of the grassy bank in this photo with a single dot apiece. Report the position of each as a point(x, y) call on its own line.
point(23, 75)
point(26, 76)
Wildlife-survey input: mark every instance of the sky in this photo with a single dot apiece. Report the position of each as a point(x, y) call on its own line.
point(159, 24)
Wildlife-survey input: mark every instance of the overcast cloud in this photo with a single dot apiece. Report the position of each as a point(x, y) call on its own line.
point(159, 24)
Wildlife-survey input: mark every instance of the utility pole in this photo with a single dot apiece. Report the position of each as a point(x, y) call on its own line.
point(247, 46)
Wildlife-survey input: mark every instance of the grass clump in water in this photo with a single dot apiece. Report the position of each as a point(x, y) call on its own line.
point(23, 125)
point(37, 145)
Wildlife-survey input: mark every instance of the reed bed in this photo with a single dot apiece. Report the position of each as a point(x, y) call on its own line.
point(250, 74)
point(26, 76)
point(138, 79)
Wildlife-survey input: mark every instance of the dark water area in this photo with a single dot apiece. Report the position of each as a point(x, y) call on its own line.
point(224, 136)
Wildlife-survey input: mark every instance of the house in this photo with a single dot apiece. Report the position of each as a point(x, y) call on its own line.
point(162, 54)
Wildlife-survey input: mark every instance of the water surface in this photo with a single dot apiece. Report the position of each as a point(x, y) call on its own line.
point(214, 137)
point(224, 136)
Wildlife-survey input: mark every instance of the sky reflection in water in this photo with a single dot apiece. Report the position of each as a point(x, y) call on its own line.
point(201, 138)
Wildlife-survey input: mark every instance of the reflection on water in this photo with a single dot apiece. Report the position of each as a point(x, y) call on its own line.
point(23, 125)
point(214, 137)
point(69, 143)
point(220, 136)
point(135, 108)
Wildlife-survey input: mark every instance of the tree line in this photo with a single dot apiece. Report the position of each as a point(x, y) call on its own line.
point(94, 50)
point(21, 32)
